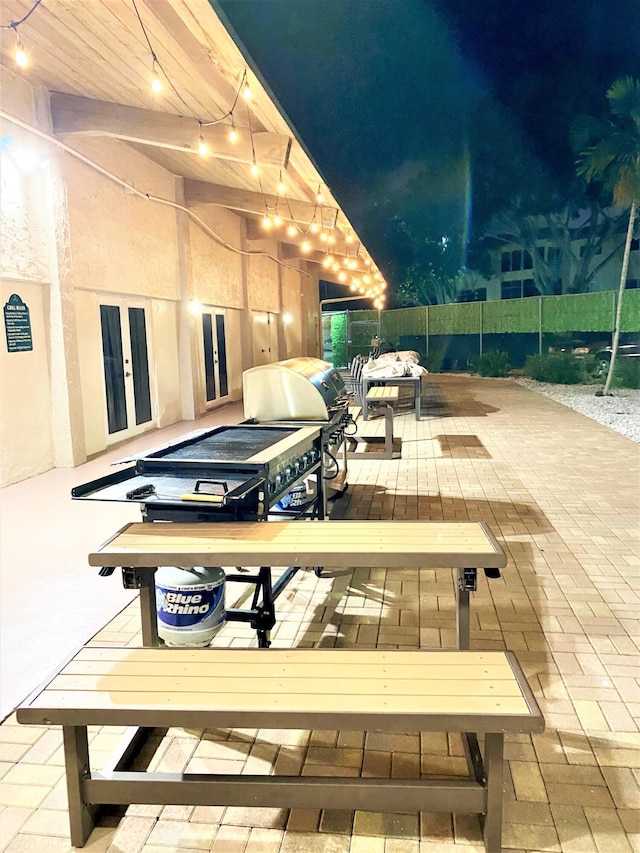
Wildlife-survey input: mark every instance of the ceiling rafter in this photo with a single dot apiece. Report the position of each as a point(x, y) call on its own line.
point(72, 114)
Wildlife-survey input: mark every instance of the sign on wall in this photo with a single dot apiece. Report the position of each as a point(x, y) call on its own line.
point(17, 325)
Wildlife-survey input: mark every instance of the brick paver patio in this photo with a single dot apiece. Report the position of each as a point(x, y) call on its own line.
point(562, 494)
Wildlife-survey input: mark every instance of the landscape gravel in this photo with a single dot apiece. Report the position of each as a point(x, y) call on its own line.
point(620, 412)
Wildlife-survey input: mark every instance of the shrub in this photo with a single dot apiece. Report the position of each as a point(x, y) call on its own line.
point(493, 363)
point(557, 368)
point(433, 360)
point(626, 373)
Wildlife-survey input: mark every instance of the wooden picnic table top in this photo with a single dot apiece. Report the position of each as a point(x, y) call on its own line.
point(391, 544)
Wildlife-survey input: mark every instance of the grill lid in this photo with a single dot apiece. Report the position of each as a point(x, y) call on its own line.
point(297, 389)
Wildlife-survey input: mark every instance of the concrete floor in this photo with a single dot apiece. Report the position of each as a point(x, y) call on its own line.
point(561, 493)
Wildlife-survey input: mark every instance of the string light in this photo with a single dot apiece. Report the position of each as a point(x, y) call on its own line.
point(281, 186)
point(233, 133)
point(292, 230)
point(20, 54)
point(156, 82)
point(305, 245)
point(246, 91)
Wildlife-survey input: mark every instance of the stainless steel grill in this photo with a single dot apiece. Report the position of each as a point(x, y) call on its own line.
point(306, 391)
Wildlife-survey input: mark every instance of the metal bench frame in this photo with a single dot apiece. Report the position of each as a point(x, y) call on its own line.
point(480, 793)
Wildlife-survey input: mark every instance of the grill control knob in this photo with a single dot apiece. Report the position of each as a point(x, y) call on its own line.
point(272, 488)
point(287, 472)
point(278, 479)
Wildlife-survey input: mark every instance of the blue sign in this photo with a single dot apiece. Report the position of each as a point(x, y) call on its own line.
point(17, 325)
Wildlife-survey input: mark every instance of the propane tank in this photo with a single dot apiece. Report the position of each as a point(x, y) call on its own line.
point(190, 604)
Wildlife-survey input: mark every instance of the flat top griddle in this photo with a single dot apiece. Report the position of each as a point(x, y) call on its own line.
point(237, 444)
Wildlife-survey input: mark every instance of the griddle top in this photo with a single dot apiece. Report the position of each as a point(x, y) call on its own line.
point(230, 444)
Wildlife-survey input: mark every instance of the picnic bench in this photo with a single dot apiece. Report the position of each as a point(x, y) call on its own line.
point(416, 381)
point(385, 396)
point(375, 690)
point(140, 548)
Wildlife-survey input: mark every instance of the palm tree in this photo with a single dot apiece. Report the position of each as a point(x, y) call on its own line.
point(609, 155)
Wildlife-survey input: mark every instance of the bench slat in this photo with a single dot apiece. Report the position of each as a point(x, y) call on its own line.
point(284, 683)
point(321, 671)
point(133, 704)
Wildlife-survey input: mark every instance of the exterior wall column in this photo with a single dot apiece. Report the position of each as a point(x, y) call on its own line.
point(67, 434)
point(187, 332)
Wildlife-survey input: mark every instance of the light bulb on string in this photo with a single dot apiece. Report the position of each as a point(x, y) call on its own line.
point(292, 230)
point(305, 245)
point(314, 228)
point(233, 133)
point(331, 239)
point(266, 221)
point(349, 237)
point(319, 196)
point(326, 263)
point(20, 54)
point(342, 276)
point(323, 237)
point(254, 169)
point(246, 91)
point(367, 261)
point(277, 221)
point(281, 186)
point(156, 82)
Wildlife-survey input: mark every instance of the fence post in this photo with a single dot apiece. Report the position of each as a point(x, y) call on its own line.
point(426, 323)
point(539, 325)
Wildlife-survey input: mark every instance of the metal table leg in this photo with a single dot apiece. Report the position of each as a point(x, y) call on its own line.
point(493, 762)
point(467, 581)
point(76, 759)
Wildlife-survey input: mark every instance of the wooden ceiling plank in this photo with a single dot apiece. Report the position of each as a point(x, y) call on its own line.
point(222, 92)
point(92, 53)
point(69, 64)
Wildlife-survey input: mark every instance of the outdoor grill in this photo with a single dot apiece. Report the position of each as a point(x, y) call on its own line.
point(231, 473)
point(305, 391)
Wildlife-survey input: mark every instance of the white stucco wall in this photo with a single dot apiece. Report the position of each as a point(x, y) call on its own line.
point(215, 270)
point(25, 398)
point(120, 242)
point(291, 307)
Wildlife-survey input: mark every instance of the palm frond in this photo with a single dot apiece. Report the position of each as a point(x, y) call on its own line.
point(624, 97)
point(586, 130)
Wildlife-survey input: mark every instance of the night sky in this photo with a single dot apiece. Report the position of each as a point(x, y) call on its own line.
point(382, 91)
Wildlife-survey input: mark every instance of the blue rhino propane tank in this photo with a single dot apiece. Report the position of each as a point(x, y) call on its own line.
point(190, 604)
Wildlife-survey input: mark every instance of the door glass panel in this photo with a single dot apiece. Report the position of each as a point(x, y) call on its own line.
point(140, 365)
point(209, 372)
point(113, 368)
point(222, 355)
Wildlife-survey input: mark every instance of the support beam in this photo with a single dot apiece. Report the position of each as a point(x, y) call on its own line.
point(246, 201)
point(75, 115)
